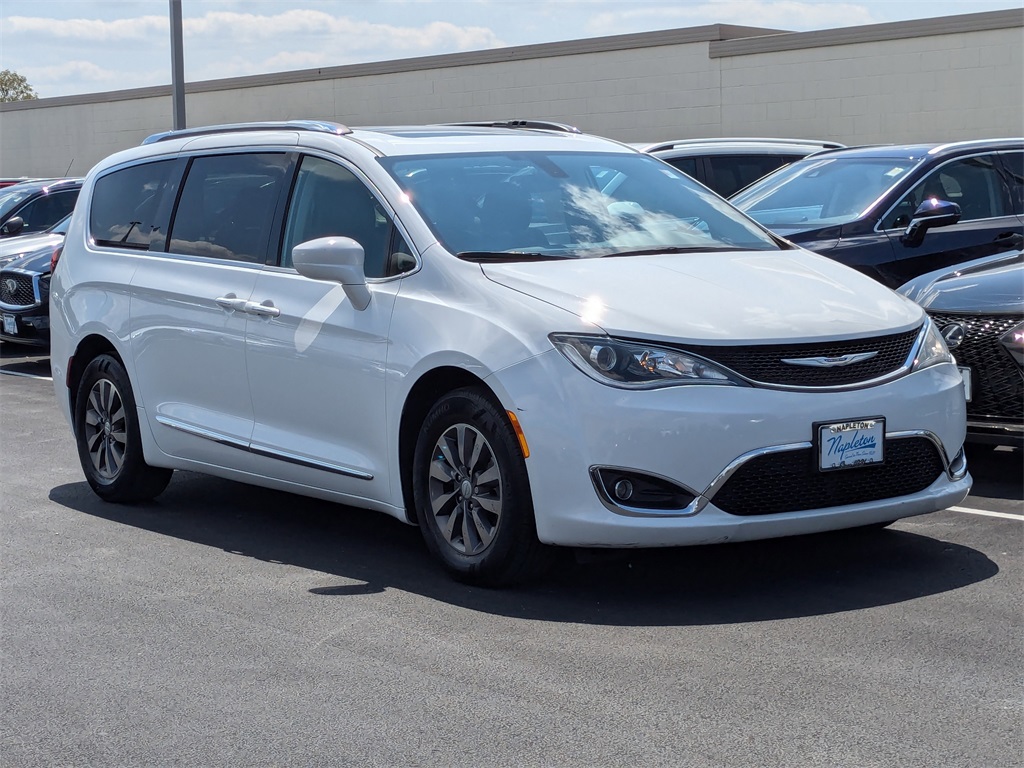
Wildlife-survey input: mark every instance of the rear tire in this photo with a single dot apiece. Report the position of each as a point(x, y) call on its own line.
point(472, 493)
point(107, 434)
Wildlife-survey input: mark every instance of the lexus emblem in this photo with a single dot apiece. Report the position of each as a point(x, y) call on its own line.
point(830, 362)
point(11, 285)
point(954, 335)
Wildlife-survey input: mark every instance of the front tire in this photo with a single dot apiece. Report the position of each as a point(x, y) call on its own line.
point(107, 434)
point(472, 493)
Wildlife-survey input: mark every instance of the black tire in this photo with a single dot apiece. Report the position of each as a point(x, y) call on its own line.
point(472, 493)
point(107, 433)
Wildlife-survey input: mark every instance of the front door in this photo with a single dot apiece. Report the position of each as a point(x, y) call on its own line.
point(316, 363)
point(988, 223)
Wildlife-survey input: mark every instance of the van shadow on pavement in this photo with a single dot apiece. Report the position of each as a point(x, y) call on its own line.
point(720, 584)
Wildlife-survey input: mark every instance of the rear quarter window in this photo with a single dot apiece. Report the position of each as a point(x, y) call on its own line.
point(125, 205)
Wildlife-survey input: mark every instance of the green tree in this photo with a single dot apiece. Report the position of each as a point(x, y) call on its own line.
point(14, 87)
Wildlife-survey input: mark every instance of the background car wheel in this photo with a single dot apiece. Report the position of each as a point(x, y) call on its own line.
point(472, 493)
point(107, 433)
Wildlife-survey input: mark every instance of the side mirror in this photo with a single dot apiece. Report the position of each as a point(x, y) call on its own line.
point(12, 226)
point(337, 259)
point(931, 213)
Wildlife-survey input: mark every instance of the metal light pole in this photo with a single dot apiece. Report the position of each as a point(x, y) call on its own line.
point(177, 66)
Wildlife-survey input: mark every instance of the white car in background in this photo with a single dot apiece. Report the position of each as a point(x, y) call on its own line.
point(516, 336)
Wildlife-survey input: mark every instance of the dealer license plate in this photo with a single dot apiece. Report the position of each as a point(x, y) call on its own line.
point(10, 325)
point(965, 374)
point(848, 444)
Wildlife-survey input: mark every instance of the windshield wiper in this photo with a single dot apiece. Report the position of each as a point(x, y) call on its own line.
point(674, 249)
point(499, 257)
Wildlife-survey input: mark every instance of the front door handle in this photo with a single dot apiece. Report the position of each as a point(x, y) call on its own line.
point(266, 309)
point(1010, 238)
point(232, 302)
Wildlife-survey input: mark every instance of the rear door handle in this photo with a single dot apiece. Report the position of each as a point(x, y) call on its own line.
point(266, 309)
point(1011, 238)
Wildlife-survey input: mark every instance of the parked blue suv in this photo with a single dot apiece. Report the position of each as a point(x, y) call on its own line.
point(896, 212)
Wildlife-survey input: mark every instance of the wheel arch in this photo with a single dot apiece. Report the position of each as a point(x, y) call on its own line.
point(88, 349)
point(424, 393)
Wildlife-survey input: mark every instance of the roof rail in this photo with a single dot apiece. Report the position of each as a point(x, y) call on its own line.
point(319, 126)
point(543, 125)
point(740, 140)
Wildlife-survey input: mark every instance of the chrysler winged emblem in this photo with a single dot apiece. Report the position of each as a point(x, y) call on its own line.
point(830, 362)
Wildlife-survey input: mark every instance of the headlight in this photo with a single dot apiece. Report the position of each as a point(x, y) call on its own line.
point(933, 350)
point(633, 365)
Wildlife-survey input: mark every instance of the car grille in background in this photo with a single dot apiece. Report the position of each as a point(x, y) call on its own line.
point(998, 386)
point(16, 289)
point(763, 363)
point(790, 481)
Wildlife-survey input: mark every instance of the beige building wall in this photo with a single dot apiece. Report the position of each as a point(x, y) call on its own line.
point(928, 80)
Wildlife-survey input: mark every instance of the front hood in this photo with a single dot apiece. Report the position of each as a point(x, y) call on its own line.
point(990, 285)
point(16, 247)
point(725, 297)
point(37, 261)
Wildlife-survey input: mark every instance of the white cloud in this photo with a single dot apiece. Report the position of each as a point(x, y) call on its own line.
point(90, 30)
point(774, 14)
point(341, 33)
point(70, 71)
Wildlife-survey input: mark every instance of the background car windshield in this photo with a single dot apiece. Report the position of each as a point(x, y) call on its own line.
point(818, 193)
point(568, 205)
point(11, 198)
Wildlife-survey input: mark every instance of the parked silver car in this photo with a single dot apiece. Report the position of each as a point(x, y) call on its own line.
point(979, 308)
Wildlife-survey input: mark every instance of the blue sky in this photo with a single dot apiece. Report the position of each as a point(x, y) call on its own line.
point(68, 47)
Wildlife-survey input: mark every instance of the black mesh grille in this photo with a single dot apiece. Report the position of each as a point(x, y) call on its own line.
point(997, 382)
point(790, 481)
point(16, 289)
point(763, 363)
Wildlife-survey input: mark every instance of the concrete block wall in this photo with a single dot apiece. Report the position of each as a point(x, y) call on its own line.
point(928, 80)
point(935, 88)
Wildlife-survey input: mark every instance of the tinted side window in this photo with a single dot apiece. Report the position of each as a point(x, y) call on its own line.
point(125, 205)
point(973, 183)
point(45, 211)
point(1013, 170)
point(331, 200)
point(687, 165)
point(227, 206)
point(731, 173)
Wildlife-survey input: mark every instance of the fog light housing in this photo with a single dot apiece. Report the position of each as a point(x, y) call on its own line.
point(633, 490)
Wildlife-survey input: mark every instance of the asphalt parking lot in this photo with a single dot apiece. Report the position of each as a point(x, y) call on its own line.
point(225, 625)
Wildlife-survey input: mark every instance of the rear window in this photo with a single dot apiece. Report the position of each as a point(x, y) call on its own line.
point(125, 205)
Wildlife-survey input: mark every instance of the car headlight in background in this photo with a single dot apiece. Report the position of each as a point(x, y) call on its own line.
point(933, 349)
point(633, 365)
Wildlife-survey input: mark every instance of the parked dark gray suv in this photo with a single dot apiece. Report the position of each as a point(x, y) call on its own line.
point(896, 212)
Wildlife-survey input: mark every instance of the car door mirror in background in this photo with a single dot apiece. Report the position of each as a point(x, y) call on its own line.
point(931, 213)
point(12, 226)
point(338, 259)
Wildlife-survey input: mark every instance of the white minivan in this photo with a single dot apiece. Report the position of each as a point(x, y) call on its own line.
point(514, 335)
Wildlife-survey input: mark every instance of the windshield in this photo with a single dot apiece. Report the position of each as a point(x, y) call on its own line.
point(816, 193)
point(543, 205)
point(12, 197)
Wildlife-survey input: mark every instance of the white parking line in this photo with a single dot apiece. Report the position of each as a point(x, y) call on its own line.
point(26, 375)
point(986, 513)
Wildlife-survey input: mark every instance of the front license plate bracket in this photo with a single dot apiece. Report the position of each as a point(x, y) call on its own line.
point(849, 444)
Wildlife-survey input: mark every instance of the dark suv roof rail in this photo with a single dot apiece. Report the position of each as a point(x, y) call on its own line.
point(544, 125)
point(663, 145)
point(319, 126)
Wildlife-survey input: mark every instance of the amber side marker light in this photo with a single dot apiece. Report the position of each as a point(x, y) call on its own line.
point(519, 433)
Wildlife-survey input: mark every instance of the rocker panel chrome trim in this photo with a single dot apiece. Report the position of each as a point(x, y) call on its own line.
point(260, 450)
